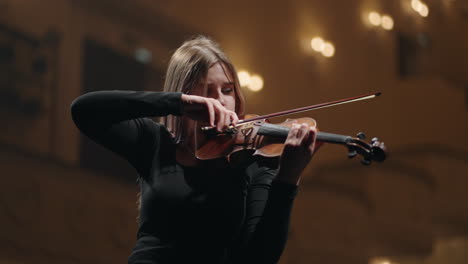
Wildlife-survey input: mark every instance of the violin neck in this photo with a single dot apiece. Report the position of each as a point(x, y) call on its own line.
point(282, 132)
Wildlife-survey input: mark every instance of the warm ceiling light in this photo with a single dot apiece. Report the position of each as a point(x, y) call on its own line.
point(244, 78)
point(424, 10)
point(380, 261)
point(374, 18)
point(256, 83)
point(328, 50)
point(420, 7)
point(387, 22)
point(416, 5)
point(317, 44)
point(320, 45)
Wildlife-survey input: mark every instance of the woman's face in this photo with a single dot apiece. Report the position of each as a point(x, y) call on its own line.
point(220, 86)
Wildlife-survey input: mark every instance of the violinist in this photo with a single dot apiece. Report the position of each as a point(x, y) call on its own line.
point(194, 211)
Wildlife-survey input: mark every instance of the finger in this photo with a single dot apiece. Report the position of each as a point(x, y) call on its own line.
point(300, 132)
point(292, 135)
point(303, 134)
point(308, 137)
point(220, 120)
point(211, 112)
point(220, 115)
point(234, 119)
point(227, 120)
point(311, 139)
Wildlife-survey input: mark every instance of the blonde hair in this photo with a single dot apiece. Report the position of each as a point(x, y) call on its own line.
point(188, 67)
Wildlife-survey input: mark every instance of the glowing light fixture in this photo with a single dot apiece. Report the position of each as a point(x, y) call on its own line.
point(375, 18)
point(317, 44)
point(416, 5)
point(321, 46)
point(420, 7)
point(256, 83)
point(244, 78)
point(381, 261)
point(253, 82)
point(328, 50)
point(387, 22)
point(424, 10)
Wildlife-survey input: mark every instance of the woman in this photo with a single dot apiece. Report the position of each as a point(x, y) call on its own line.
point(193, 211)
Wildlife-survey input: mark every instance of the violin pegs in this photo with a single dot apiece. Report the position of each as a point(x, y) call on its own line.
point(365, 162)
point(352, 154)
point(361, 135)
point(374, 140)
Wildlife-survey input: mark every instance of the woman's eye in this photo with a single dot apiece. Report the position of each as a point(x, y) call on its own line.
point(227, 90)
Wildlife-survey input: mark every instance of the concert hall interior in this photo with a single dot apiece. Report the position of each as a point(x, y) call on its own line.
point(65, 199)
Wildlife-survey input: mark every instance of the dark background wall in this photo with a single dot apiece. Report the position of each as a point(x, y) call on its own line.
point(58, 206)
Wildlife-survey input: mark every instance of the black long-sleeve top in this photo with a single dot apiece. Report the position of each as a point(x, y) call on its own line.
point(188, 215)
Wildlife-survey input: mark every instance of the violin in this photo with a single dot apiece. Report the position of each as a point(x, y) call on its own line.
point(255, 136)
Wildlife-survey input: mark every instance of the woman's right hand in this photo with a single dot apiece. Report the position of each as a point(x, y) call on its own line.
point(208, 110)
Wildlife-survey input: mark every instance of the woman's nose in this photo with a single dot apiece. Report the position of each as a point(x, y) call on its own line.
point(222, 101)
point(220, 98)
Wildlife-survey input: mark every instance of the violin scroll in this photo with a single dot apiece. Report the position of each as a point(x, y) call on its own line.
point(375, 151)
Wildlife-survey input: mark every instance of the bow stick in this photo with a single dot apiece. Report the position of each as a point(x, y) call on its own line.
point(304, 109)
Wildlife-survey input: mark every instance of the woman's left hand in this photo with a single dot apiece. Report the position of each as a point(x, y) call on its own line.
point(299, 148)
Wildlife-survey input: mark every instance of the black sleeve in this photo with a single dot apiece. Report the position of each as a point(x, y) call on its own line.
point(117, 120)
point(269, 206)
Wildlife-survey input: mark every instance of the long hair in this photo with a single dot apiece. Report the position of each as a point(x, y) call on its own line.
point(188, 67)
